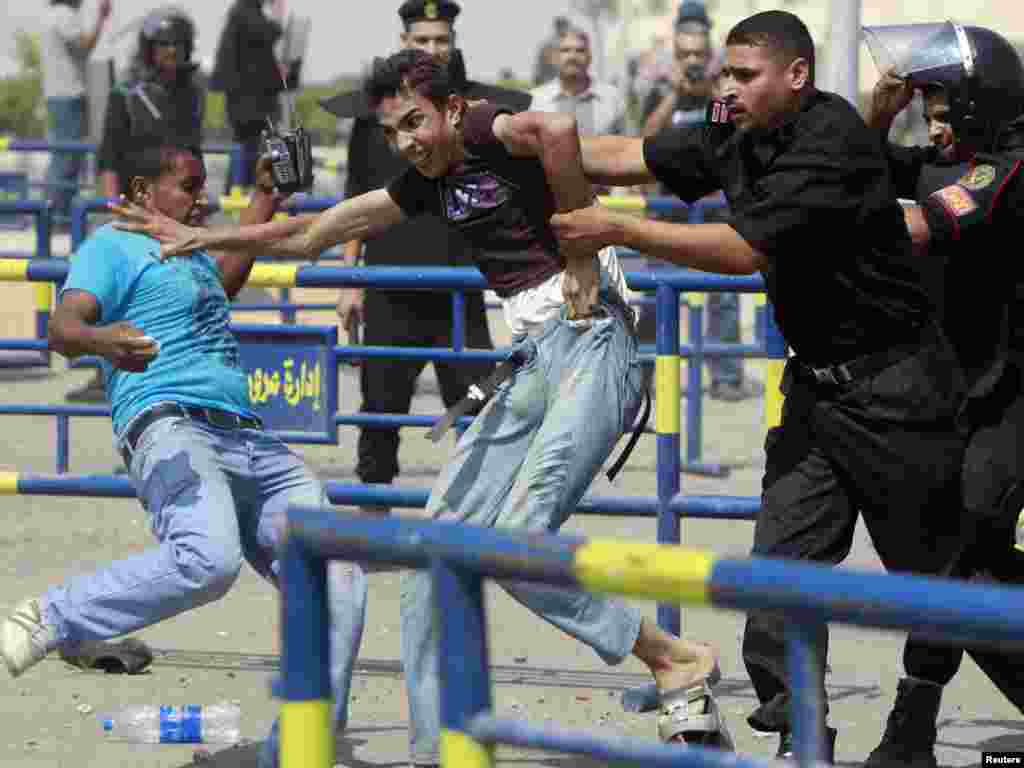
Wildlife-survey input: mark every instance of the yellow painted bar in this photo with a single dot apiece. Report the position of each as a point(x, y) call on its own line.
point(760, 299)
point(666, 394)
point(233, 203)
point(624, 202)
point(307, 734)
point(14, 270)
point(655, 571)
point(8, 483)
point(695, 299)
point(5, 143)
point(274, 274)
point(44, 297)
point(459, 750)
point(772, 396)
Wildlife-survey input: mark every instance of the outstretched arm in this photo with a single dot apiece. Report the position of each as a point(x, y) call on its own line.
point(301, 237)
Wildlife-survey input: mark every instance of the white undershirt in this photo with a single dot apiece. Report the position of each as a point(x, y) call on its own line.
point(527, 310)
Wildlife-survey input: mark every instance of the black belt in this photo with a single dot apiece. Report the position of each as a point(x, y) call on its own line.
point(852, 371)
point(212, 416)
point(478, 393)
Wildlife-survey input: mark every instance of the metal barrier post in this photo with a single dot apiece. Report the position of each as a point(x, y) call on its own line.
point(44, 221)
point(63, 442)
point(804, 647)
point(775, 349)
point(695, 385)
point(287, 313)
point(458, 321)
point(667, 426)
point(307, 735)
point(464, 671)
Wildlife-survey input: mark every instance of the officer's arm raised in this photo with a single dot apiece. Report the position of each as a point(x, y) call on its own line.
point(615, 161)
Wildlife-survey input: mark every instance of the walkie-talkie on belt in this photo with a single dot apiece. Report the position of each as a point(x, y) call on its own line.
point(290, 151)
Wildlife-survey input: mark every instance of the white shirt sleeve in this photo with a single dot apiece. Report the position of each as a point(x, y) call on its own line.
point(68, 25)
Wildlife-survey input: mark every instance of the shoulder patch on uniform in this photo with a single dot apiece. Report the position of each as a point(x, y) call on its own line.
point(978, 177)
point(956, 200)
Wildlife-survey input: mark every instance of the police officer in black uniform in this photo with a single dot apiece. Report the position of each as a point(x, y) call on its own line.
point(161, 97)
point(409, 318)
point(868, 423)
point(971, 204)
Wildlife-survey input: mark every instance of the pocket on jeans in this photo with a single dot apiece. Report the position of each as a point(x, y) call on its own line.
point(170, 481)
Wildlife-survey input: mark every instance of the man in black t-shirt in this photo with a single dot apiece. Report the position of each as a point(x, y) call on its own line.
point(573, 383)
point(408, 318)
point(869, 419)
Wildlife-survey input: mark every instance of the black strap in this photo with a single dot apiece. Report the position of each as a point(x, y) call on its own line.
point(637, 431)
point(478, 393)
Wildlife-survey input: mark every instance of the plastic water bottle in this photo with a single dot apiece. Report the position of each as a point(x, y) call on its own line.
point(190, 724)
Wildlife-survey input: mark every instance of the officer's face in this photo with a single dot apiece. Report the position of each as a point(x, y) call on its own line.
point(760, 87)
point(434, 37)
point(936, 117)
point(420, 132)
point(180, 193)
point(573, 56)
point(166, 56)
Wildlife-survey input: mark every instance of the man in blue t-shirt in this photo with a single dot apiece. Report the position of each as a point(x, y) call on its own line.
point(214, 483)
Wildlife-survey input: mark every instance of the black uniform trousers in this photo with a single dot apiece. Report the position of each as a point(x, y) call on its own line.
point(412, 319)
point(885, 446)
point(993, 486)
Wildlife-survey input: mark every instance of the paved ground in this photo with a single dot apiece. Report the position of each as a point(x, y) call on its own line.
point(48, 718)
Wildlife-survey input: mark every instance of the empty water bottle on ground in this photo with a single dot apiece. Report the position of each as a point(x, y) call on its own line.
point(189, 724)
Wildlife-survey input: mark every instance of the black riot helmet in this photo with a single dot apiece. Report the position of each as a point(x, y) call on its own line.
point(168, 26)
point(980, 72)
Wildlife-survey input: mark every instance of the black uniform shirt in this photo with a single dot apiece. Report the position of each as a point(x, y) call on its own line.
point(141, 110)
point(815, 196)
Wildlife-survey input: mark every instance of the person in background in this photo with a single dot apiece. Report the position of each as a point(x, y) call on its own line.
point(64, 49)
point(600, 108)
point(546, 66)
point(247, 71)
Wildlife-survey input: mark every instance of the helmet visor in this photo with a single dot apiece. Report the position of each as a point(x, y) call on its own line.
point(920, 53)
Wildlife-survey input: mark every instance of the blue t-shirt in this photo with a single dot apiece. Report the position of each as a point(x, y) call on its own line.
point(181, 303)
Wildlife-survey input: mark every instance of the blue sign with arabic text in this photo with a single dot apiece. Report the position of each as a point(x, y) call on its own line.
point(293, 379)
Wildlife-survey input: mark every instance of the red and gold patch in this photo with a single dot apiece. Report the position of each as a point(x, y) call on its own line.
point(957, 200)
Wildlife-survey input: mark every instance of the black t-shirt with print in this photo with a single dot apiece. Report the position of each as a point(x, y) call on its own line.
point(815, 196)
point(500, 203)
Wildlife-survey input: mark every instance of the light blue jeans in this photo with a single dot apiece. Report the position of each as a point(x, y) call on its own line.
point(67, 123)
point(213, 497)
point(524, 463)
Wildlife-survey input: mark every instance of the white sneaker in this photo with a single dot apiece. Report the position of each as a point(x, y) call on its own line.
point(24, 639)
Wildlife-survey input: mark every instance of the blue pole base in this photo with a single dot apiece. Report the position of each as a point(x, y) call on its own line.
point(705, 469)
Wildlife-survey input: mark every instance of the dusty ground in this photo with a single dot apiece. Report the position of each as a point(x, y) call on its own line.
point(48, 718)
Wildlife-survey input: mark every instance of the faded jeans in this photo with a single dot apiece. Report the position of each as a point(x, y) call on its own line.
point(213, 496)
point(67, 123)
point(524, 463)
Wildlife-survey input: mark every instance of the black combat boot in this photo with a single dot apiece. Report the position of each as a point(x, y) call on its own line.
point(909, 740)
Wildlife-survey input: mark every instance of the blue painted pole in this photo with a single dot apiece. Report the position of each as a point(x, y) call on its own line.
point(458, 321)
point(667, 423)
point(695, 383)
point(44, 220)
point(307, 735)
point(806, 665)
point(63, 443)
point(464, 666)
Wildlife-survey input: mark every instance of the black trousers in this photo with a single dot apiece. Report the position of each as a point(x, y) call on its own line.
point(993, 485)
point(886, 447)
point(411, 320)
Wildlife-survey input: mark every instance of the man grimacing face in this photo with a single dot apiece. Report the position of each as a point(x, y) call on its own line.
point(423, 134)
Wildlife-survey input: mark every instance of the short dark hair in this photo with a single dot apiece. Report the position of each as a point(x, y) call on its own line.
point(781, 31)
point(151, 159)
point(412, 71)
